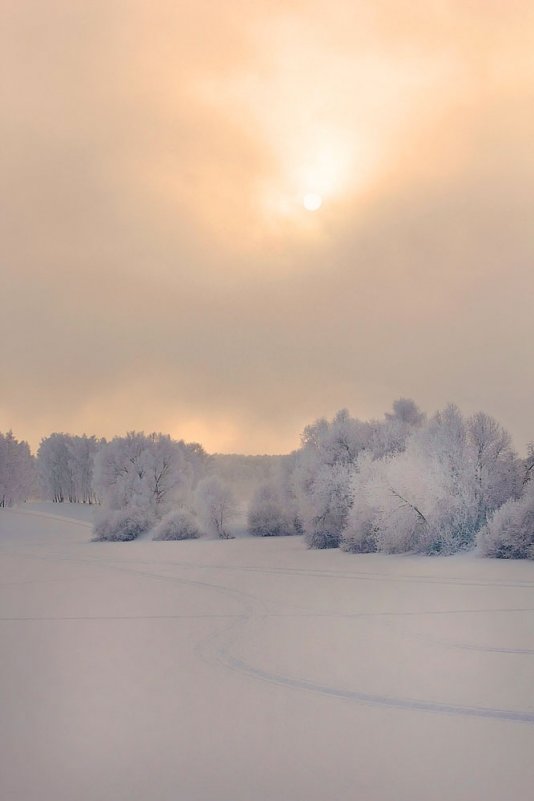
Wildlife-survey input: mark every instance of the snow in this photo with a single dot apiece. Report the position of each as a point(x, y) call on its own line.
point(257, 670)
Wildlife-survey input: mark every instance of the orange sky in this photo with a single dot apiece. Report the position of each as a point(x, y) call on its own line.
point(158, 267)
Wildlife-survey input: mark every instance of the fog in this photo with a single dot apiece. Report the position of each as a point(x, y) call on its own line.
point(161, 272)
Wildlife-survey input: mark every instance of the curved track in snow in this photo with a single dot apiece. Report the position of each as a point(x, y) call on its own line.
point(219, 646)
point(258, 621)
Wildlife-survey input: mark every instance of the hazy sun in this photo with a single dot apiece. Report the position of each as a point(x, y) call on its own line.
point(312, 201)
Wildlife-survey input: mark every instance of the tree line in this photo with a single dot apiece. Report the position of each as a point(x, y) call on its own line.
point(404, 483)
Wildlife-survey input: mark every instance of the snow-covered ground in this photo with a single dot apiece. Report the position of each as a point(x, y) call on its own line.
point(255, 670)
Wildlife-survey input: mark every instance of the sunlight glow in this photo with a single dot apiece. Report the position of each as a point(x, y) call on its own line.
point(312, 201)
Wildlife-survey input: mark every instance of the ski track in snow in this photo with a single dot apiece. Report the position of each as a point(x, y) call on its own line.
point(219, 647)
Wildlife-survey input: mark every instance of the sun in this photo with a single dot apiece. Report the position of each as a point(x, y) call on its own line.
point(312, 201)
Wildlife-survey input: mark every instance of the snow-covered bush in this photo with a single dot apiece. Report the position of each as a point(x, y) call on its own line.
point(269, 514)
point(177, 525)
point(121, 525)
point(509, 533)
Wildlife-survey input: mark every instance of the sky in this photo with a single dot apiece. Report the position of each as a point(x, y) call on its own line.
point(159, 268)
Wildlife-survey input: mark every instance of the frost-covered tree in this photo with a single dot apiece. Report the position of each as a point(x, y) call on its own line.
point(216, 506)
point(390, 435)
point(196, 465)
point(268, 515)
point(338, 441)
point(321, 476)
point(17, 471)
point(325, 513)
point(436, 494)
point(387, 513)
point(528, 465)
point(54, 468)
point(406, 412)
point(83, 450)
point(361, 529)
point(65, 467)
point(140, 471)
point(272, 511)
point(326, 464)
point(265, 515)
point(497, 468)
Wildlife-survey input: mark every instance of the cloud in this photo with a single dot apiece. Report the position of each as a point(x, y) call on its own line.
point(160, 270)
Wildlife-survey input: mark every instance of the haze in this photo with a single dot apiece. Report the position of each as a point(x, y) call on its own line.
point(159, 269)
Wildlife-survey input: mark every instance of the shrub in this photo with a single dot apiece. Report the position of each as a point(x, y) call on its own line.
point(121, 526)
point(177, 525)
point(509, 534)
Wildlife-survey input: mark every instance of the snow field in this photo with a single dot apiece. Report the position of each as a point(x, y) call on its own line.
point(257, 670)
